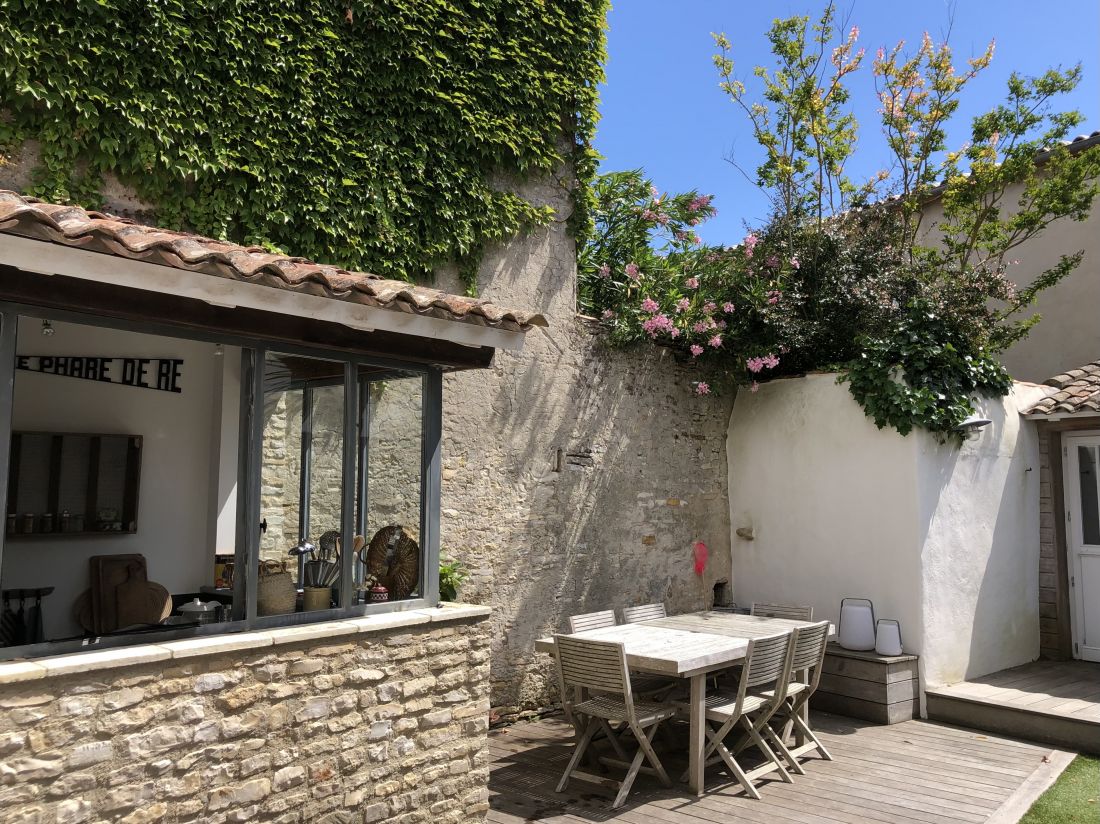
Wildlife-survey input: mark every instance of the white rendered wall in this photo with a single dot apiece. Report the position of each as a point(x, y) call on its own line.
point(944, 539)
point(980, 545)
point(832, 501)
point(173, 526)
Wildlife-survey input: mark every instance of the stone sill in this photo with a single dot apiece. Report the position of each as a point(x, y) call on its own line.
point(15, 671)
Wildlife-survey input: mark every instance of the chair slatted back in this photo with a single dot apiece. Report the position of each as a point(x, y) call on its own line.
point(592, 620)
point(809, 650)
point(791, 613)
point(594, 665)
point(766, 659)
point(645, 612)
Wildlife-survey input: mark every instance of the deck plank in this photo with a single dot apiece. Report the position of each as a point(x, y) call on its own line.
point(917, 772)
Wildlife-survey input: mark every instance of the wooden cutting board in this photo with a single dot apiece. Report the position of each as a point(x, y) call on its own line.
point(107, 573)
point(141, 602)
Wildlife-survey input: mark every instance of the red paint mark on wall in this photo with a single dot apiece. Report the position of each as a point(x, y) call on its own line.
point(700, 551)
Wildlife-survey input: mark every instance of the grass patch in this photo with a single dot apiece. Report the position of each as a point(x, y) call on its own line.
point(1073, 799)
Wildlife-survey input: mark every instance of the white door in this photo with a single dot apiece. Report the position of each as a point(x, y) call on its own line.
point(1082, 485)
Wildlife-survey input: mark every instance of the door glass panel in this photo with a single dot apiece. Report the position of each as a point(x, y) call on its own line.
point(1090, 500)
point(392, 557)
point(301, 483)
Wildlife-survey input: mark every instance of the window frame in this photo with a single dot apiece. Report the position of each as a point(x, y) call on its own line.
point(249, 457)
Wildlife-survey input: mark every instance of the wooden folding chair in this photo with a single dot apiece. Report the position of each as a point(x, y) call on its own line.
point(591, 620)
point(809, 657)
point(586, 664)
point(767, 664)
point(791, 613)
point(645, 612)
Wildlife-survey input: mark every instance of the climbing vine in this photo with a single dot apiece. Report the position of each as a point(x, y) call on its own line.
point(382, 135)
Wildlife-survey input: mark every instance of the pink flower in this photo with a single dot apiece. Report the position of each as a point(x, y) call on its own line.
point(755, 386)
point(682, 305)
point(681, 235)
point(700, 327)
point(722, 324)
point(749, 243)
point(649, 215)
point(663, 219)
point(632, 271)
point(773, 297)
point(794, 262)
point(696, 350)
point(605, 271)
point(657, 324)
point(709, 307)
point(696, 239)
point(715, 342)
point(653, 190)
point(608, 314)
point(769, 361)
point(650, 305)
point(675, 333)
point(772, 262)
point(702, 388)
point(728, 307)
point(692, 283)
point(700, 202)
point(693, 222)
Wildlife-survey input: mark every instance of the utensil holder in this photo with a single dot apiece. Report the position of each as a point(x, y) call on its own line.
point(314, 598)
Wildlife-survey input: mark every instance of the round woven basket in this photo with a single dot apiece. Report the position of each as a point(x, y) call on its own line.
point(393, 557)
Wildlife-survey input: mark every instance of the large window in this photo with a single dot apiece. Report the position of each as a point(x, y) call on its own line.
point(274, 484)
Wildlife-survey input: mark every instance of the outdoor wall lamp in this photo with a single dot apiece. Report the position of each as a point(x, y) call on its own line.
point(47, 328)
point(971, 428)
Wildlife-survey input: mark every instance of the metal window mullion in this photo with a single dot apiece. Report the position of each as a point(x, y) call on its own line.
point(249, 469)
point(9, 330)
point(347, 486)
point(363, 391)
point(305, 466)
point(431, 483)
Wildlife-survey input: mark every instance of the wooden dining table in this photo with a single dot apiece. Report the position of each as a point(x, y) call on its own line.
point(688, 646)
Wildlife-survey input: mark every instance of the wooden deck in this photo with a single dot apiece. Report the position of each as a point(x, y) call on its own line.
point(908, 773)
point(1054, 702)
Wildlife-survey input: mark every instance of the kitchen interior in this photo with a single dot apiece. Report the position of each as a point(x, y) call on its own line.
point(123, 482)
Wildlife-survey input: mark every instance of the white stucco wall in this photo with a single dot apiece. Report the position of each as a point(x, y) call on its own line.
point(831, 499)
point(179, 434)
point(944, 539)
point(979, 539)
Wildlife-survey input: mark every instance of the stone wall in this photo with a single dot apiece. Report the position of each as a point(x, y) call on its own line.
point(575, 477)
point(368, 727)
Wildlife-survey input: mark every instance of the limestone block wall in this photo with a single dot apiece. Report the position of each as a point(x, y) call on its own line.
point(374, 726)
point(575, 477)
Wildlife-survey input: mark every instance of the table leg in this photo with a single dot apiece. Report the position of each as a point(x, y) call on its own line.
point(697, 716)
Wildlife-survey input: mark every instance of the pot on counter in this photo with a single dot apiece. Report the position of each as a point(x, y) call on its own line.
point(199, 611)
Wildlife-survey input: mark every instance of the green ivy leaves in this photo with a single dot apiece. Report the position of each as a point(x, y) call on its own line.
point(365, 134)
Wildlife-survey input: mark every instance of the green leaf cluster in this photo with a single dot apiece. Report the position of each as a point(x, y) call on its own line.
point(372, 133)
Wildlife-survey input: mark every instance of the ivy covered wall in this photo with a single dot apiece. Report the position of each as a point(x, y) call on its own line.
point(372, 134)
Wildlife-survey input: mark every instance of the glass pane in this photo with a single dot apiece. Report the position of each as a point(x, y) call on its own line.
point(392, 557)
point(301, 483)
point(1090, 501)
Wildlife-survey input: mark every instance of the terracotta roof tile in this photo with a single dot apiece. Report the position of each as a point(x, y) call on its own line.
point(1078, 391)
point(73, 226)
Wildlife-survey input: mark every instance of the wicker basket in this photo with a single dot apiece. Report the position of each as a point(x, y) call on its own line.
point(393, 558)
point(275, 592)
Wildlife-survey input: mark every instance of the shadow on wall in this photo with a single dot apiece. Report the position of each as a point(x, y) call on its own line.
point(640, 478)
point(980, 539)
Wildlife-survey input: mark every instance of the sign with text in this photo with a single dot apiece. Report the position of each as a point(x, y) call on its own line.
point(162, 374)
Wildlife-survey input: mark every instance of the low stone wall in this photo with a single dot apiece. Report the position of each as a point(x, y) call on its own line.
point(334, 722)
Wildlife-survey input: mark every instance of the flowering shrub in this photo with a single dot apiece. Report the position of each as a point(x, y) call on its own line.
point(910, 319)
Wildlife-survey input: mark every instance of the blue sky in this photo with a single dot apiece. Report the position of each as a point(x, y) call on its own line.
point(662, 109)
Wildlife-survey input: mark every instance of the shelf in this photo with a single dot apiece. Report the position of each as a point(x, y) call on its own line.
point(93, 533)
